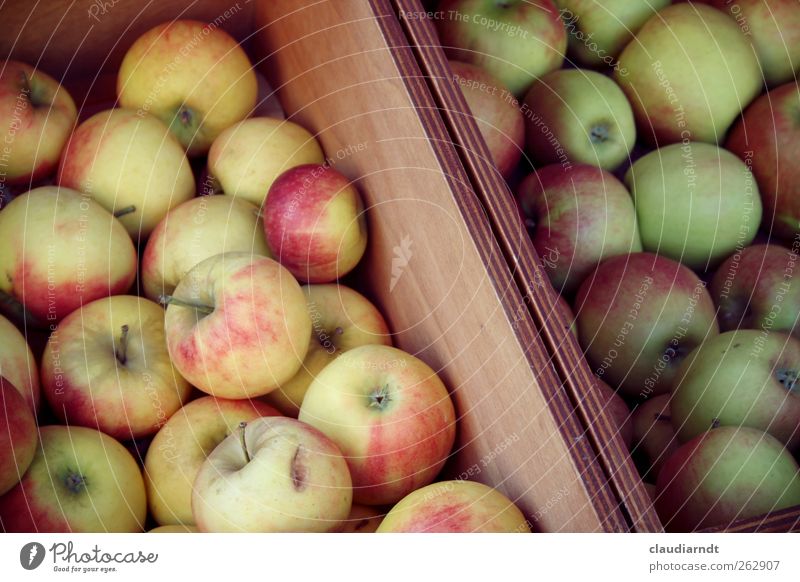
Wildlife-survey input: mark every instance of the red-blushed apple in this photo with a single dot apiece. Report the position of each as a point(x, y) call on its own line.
point(740, 378)
point(653, 434)
point(237, 325)
point(679, 74)
point(773, 28)
point(455, 507)
point(193, 76)
point(180, 447)
point(695, 203)
point(574, 115)
point(130, 164)
point(723, 475)
point(247, 158)
point(619, 413)
point(36, 115)
point(639, 315)
point(173, 529)
point(18, 436)
point(315, 224)
point(496, 112)
point(580, 216)
point(17, 363)
point(391, 416)
point(61, 249)
point(275, 475)
point(341, 319)
point(755, 288)
point(194, 231)
point(363, 519)
point(106, 366)
point(80, 481)
point(514, 40)
point(767, 138)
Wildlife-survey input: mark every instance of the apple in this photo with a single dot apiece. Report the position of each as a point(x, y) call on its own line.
point(341, 319)
point(61, 249)
point(194, 231)
point(37, 116)
point(17, 436)
point(598, 31)
point(580, 216)
point(723, 475)
point(192, 76)
point(276, 475)
point(574, 115)
point(496, 113)
point(767, 138)
point(180, 447)
point(80, 481)
point(690, 72)
point(391, 416)
point(247, 157)
point(237, 325)
point(754, 288)
point(455, 507)
point(17, 363)
point(740, 378)
point(131, 165)
point(773, 28)
point(514, 40)
point(174, 529)
point(653, 435)
point(315, 223)
point(106, 366)
point(639, 315)
point(619, 413)
point(696, 203)
point(363, 519)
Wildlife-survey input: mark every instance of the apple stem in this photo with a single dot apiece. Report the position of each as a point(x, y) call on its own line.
point(172, 300)
point(122, 352)
point(123, 211)
point(25, 84)
point(242, 427)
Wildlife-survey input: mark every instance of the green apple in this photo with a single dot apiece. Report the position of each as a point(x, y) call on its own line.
point(80, 481)
point(274, 475)
point(131, 165)
point(597, 31)
point(341, 319)
point(696, 203)
point(578, 116)
point(723, 475)
point(514, 40)
point(690, 72)
point(740, 378)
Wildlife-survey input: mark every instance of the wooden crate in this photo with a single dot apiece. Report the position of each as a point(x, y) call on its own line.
point(512, 236)
point(435, 265)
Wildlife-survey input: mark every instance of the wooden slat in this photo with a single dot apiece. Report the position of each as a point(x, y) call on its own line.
point(528, 274)
point(342, 70)
point(786, 520)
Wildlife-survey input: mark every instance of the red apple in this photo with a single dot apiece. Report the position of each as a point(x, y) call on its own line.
point(653, 434)
point(767, 138)
point(495, 111)
point(17, 436)
point(639, 315)
point(581, 215)
point(315, 224)
point(755, 289)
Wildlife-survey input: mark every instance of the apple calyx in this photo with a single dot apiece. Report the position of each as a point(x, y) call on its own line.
point(599, 133)
point(715, 423)
point(75, 482)
point(123, 211)
point(242, 427)
point(172, 300)
point(789, 379)
point(122, 351)
point(185, 122)
point(379, 398)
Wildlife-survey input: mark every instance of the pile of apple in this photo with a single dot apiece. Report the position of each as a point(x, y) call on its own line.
point(657, 235)
point(263, 405)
